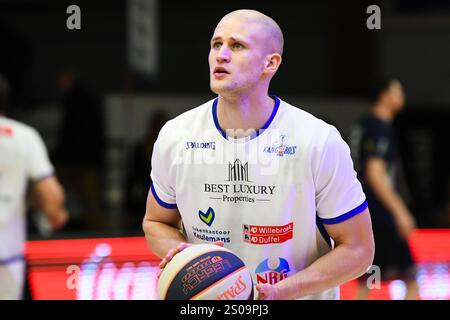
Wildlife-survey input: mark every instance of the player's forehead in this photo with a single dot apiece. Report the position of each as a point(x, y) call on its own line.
point(236, 28)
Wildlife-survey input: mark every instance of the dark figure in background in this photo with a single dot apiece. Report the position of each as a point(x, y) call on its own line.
point(376, 153)
point(79, 154)
point(138, 177)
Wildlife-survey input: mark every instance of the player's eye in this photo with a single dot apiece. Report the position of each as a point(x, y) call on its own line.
point(216, 45)
point(237, 46)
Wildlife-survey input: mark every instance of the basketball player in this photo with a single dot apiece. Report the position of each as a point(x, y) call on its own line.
point(375, 147)
point(272, 182)
point(23, 157)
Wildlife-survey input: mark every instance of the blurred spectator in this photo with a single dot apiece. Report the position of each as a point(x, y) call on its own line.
point(24, 164)
point(80, 149)
point(138, 175)
point(376, 155)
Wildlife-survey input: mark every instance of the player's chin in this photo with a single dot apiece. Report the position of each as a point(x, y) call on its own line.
point(222, 89)
point(217, 88)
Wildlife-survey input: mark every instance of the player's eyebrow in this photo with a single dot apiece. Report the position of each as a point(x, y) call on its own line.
point(217, 38)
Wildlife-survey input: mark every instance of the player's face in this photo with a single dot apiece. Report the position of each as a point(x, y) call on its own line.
point(396, 96)
point(236, 58)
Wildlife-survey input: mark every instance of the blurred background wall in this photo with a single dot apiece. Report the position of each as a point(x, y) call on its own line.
point(142, 62)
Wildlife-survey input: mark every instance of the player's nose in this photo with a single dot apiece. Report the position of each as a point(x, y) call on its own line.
point(223, 55)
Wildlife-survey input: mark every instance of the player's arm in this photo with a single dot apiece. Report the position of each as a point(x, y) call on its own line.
point(161, 227)
point(48, 197)
point(351, 257)
point(377, 178)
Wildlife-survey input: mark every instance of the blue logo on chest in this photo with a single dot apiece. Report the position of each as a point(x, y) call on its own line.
point(280, 148)
point(207, 217)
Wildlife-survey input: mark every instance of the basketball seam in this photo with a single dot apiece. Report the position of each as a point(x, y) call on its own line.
point(251, 293)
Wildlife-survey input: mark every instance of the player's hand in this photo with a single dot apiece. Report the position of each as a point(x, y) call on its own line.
point(59, 221)
point(268, 292)
point(406, 224)
point(172, 252)
point(219, 243)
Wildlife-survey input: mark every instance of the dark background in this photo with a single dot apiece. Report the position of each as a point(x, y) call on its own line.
point(328, 49)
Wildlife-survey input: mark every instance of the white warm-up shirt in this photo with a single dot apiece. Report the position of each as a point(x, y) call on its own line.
point(23, 158)
point(267, 196)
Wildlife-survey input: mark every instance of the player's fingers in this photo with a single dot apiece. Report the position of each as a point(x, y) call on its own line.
point(265, 291)
point(182, 246)
point(261, 293)
point(219, 243)
point(260, 287)
point(162, 264)
point(167, 258)
point(171, 253)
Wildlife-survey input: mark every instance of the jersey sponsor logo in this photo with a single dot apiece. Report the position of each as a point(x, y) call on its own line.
point(280, 148)
point(207, 217)
point(239, 188)
point(271, 275)
point(238, 171)
point(242, 190)
point(267, 234)
point(201, 145)
point(209, 234)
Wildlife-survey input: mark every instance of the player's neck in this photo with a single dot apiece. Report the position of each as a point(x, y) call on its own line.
point(241, 114)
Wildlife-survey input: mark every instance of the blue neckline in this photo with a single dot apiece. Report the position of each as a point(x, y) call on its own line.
point(259, 131)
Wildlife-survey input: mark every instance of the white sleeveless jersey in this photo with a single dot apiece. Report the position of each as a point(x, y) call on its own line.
point(23, 157)
point(267, 197)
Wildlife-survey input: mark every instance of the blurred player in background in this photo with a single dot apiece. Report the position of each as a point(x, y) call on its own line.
point(79, 151)
point(301, 191)
point(376, 155)
point(24, 165)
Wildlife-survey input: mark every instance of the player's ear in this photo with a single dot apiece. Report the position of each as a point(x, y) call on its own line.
point(272, 62)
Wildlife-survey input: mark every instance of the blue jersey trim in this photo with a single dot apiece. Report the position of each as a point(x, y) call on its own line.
point(323, 231)
point(347, 215)
point(216, 120)
point(264, 127)
point(17, 258)
point(274, 112)
point(160, 202)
